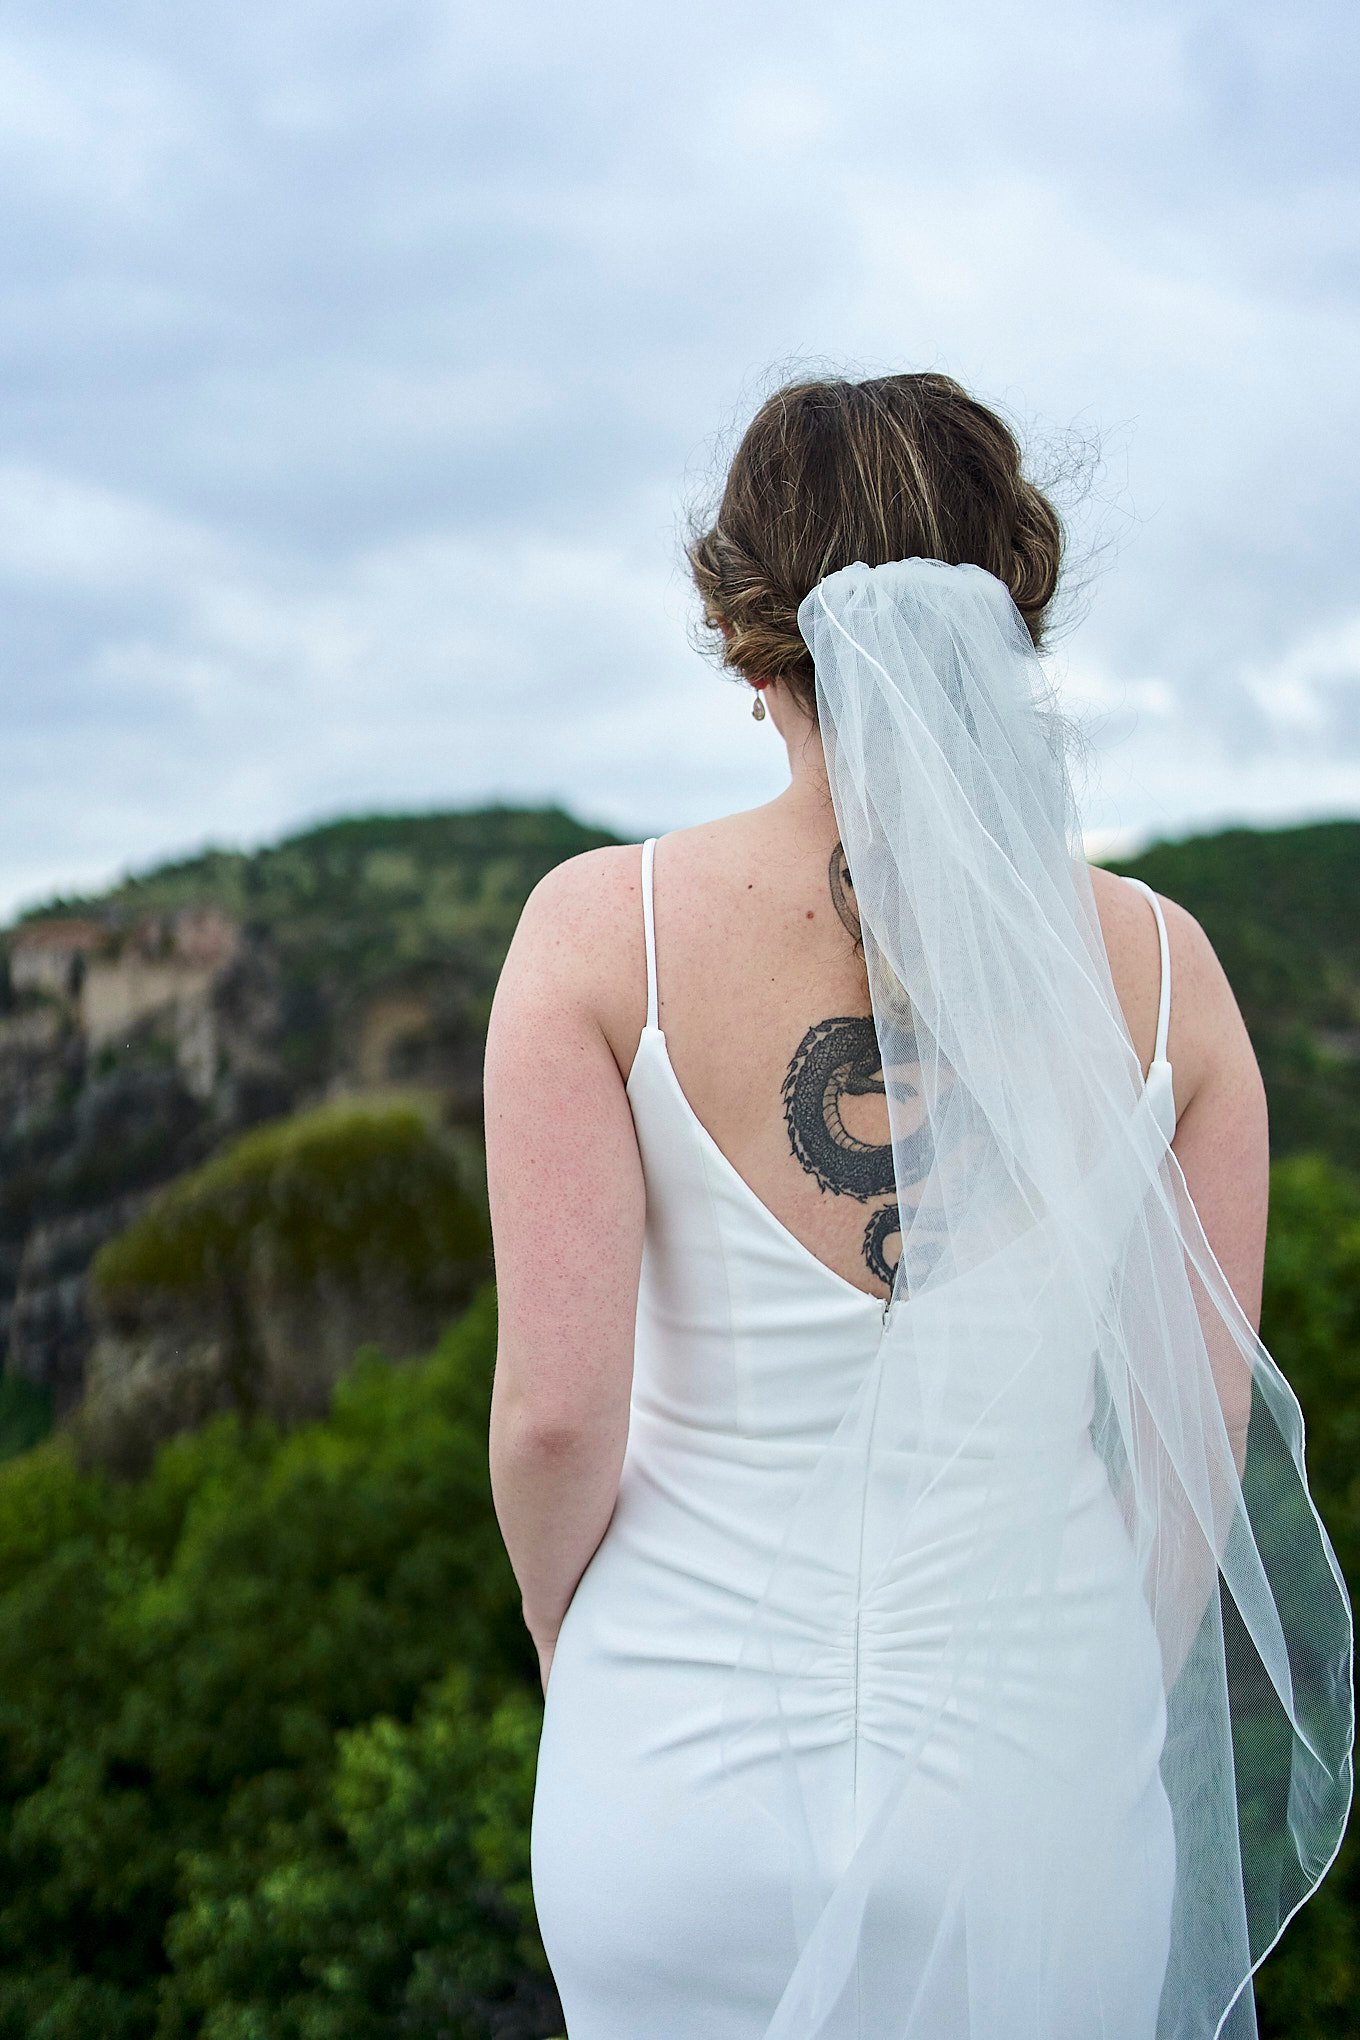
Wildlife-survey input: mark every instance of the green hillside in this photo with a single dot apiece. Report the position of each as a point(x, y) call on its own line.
point(355, 956)
point(359, 903)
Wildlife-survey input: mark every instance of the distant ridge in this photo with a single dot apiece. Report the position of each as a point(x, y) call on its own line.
point(144, 1026)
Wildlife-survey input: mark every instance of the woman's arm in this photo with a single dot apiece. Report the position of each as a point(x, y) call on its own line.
point(1223, 1146)
point(565, 1183)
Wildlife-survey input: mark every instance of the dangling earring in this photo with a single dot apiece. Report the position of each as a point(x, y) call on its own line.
point(758, 707)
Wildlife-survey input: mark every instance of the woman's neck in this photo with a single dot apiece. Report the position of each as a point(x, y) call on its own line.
point(808, 783)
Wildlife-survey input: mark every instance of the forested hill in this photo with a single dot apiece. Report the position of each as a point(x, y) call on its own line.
point(1282, 909)
point(144, 1028)
point(427, 899)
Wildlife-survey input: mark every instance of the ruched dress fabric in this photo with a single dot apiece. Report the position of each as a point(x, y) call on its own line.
point(661, 1879)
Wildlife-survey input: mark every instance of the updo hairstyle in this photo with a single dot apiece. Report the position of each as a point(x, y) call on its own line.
point(830, 472)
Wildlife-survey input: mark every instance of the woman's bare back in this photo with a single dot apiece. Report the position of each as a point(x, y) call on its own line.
point(764, 1003)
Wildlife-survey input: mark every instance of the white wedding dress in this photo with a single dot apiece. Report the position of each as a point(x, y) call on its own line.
point(662, 1880)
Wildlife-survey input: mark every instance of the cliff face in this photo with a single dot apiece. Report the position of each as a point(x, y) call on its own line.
point(81, 1144)
point(143, 1030)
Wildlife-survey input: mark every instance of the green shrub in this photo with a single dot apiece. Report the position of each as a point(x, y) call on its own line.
point(1310, 1988)
point(340, 1189)
point(251, 1283)
point(203, 1672)
point(399, 1905)
point(25, 1414)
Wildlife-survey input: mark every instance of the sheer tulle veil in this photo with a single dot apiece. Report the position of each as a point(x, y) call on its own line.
point(1056, 1291)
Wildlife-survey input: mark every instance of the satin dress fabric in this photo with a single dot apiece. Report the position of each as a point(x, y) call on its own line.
point(661, 1879)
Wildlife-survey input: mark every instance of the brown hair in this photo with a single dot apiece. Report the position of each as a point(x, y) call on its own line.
point(830, 472)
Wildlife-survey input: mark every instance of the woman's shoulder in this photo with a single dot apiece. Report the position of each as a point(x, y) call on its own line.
point(594, 877)
point(589, 882)
point(600, 890)
point(1127, 921)
point(577, 916)
point(1205, 1029)
point(577, 956)
point(580, 942)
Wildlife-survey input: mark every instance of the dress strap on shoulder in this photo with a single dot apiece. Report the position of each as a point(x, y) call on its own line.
point(1164, 1005)
point(649, 927)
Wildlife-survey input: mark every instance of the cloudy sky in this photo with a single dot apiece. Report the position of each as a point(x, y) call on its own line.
point(361, 363)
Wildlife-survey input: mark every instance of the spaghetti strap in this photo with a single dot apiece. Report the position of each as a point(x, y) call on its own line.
point(649, 927)
point(1164, 1004)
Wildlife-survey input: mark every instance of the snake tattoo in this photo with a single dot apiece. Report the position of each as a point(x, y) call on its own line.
point(836, 1059)
point(843, 893)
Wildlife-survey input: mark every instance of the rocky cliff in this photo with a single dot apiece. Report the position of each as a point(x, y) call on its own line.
point(142, 1030)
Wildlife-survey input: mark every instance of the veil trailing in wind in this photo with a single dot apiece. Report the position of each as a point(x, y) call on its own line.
point(1061, 1545)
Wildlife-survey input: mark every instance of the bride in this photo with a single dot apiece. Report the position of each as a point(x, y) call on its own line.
point(938, 1638)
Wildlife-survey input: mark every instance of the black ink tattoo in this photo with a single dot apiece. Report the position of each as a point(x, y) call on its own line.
point(886, 1221)
point(840, 1058)
point(836, 1059)
point(843, 892)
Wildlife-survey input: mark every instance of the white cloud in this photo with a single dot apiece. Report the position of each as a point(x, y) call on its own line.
point(357, 366)
point(1313, 687)
point(58, 532)
point(89, 123)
